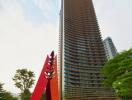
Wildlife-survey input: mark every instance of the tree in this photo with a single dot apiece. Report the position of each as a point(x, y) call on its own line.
point(118, 73)
point(4, 95)
point(24, 80)
point(43, 96)
point(26, 95)
point(1, 91)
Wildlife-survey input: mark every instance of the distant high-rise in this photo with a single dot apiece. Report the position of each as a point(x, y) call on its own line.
point(110, 48)
point(81, 52)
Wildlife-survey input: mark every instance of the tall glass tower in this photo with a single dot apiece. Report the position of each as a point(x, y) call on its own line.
point(81, 52)
point(110, 48)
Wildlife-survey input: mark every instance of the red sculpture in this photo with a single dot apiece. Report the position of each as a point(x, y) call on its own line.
point(48, 80)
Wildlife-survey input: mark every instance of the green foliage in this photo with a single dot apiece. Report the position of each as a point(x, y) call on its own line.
point(118, 73)
point(25, 95)
point(4, 95)
point(24, 80)
point(43, 96)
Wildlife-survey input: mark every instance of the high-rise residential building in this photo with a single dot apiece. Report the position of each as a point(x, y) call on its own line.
point(110, 48)
point(81, 52)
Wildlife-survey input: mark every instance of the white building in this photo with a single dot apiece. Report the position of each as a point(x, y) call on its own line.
point(110, 48)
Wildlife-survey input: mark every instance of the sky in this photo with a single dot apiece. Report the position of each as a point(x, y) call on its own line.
point(29, 30)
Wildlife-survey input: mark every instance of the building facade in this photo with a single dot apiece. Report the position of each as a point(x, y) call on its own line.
point(110, 48)
point(81, 52)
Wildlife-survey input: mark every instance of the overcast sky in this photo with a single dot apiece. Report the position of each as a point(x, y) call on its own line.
point(29, 30)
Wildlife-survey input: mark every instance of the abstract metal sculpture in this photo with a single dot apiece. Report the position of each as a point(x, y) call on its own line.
point(48, 80)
